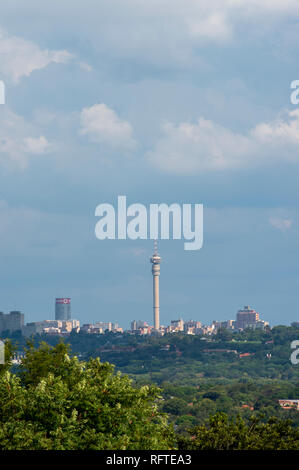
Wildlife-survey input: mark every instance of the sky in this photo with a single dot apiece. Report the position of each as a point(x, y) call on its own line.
point(169, 101)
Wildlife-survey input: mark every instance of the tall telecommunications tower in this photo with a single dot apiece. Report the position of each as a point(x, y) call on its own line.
point(156, 260)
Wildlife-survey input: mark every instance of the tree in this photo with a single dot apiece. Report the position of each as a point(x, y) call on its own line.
point(236, 434)
point(175, 406)
point(60, 403)
point(39, 362)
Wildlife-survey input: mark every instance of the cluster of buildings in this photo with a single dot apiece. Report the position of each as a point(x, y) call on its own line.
point(189, 327)
point(51, 327)
point(245, 318)
point(101, 327)
point(64, 324)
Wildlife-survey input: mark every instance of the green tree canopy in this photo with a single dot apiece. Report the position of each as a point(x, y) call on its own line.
point(61, 403)
point(237, 434)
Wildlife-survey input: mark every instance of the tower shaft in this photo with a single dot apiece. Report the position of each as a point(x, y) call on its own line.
point(156, 301)
point(156, 260)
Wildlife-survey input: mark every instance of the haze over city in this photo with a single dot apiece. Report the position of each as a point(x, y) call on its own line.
point(96, 108)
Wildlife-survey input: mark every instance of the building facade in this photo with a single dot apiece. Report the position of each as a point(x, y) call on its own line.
point(246, 318)
point(63, 308)
point(12, 321)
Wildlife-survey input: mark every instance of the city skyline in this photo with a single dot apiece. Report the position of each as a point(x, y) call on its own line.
point(104, 100)
point(64, 324)
point(63, 307)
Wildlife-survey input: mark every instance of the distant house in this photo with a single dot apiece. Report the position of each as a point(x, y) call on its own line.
point(214, 350)
point(246, 354)
point(248, 406)
point(289, 404)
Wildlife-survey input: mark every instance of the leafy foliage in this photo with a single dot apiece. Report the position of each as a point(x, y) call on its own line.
point(236, 434)
point(198, 378)
point(60, 403)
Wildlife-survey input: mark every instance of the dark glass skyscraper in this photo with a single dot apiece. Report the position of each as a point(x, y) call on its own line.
point(63, 309)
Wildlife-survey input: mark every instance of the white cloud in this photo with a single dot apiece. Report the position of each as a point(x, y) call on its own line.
point(19, 57)
point(18, 140)
point(279, 131)
point(207, 146)
point(214, 27)
point(36, 146)
point(198, 147)
point(163, 34)
point(102, 125)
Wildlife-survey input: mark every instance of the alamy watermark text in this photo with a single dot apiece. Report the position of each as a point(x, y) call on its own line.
point(160, 221)
point(294, 356)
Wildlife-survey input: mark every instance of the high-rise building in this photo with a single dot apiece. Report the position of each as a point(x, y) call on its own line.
point(177, 325)
point(246, 318)
point(104, 325)
point(63, 308)
point(13, 321)
point(191, 324)
point(136, 324)
point(156, 260)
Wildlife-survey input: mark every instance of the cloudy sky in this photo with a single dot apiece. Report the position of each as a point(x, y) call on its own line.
point(183, 101)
